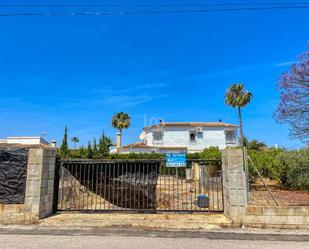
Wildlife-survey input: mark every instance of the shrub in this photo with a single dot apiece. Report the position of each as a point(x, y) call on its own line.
point(211, 153)
point(289, 167)
point(294, 170)
point(266, 161)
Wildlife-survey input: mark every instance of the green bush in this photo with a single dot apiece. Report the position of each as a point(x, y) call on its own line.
point(266, 161)
point(294, 170)
point(289, 167)
point(211, 153)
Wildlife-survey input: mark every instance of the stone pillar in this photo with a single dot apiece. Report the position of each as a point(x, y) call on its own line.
point(234, 184)
point(40, 183)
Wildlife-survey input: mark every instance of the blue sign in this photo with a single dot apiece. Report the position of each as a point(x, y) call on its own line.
point(176, 160)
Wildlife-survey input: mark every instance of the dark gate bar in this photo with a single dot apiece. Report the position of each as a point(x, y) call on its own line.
point(139, 185)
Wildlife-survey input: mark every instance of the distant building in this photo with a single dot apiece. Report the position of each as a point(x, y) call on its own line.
point(23, 141)
point(187, 137)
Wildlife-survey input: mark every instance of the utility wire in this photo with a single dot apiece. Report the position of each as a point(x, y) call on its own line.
point(34, 5)
point(149, 12)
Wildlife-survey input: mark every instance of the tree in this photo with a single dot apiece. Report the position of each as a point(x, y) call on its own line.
point(238, 96)
point(294, 98)
point(104, 144)
point(64, 149)
point(121, 121)
point(89, 151)
point(254, 144)
point(75, 140)
point(95, 150)
point(82, 152)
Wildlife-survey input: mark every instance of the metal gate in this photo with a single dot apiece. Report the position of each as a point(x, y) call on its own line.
point(138, 185)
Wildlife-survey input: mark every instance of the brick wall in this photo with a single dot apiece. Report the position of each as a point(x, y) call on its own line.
point(277, 217)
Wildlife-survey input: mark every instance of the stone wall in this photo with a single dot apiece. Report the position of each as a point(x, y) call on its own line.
point(39, 190)
point(234, 184)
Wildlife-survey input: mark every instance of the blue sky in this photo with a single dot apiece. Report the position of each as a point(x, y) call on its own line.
point(79, 70)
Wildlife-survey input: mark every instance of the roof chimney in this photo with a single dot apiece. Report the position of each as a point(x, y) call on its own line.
point(53, 143)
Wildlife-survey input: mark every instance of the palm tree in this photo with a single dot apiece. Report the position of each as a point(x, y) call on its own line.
point(75, 140)
point(121, 121)
point(238, 96)
point(254, 144)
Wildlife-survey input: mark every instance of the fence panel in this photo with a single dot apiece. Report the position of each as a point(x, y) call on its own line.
point(139, 185)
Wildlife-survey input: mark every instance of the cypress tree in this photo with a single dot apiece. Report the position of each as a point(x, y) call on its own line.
point(89, 150)
point(64, 149)
point(95, 149)
point(104, 144)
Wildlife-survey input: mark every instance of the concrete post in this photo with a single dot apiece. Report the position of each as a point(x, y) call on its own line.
point(40, 183)
point(234, 184)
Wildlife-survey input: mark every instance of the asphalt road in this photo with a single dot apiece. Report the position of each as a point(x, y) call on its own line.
point(119, 242)
point(52, 239)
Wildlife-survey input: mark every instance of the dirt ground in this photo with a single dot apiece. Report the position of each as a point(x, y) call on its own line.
point(283, 197)
point(145, 221)
point(259, 196)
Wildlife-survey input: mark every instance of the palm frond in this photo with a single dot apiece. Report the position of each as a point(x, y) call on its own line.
point(121, 121)
point(237, 95)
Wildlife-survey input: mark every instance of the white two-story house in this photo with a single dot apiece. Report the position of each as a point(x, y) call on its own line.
point(187, 137)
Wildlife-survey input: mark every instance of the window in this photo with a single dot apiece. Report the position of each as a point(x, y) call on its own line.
point(200, 135)
point(230, 137)
point(192, 135)
point(157, 136)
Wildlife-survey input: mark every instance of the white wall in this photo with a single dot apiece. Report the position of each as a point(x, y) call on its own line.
point(179, 137)
point(25, 140)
